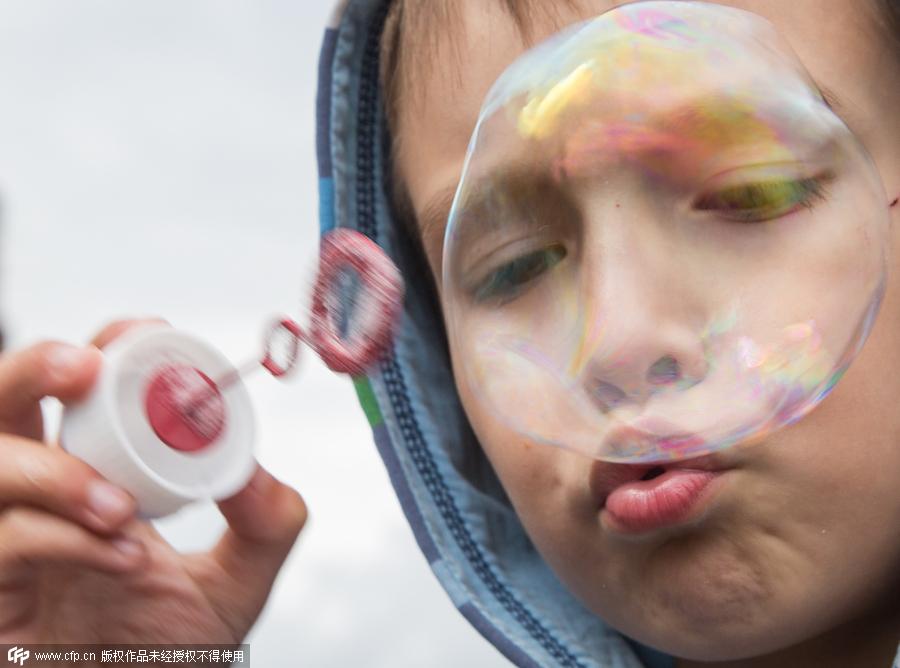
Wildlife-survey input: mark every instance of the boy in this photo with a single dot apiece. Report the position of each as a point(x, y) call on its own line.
point(795, 561)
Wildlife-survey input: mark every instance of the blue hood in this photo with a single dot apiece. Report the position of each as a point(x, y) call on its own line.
point(459, 513)
point(461, 517)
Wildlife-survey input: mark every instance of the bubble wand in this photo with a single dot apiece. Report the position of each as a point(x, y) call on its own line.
point(169, 418)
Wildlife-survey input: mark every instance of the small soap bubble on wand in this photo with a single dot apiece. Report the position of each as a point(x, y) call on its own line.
point(356, 301)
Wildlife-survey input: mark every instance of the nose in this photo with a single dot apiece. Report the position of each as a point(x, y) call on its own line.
point(641, 367)
point(645, 309)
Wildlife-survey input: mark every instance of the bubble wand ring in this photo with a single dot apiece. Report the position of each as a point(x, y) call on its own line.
point(344, 250)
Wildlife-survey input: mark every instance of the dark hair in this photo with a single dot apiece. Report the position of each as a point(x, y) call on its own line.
point(409, 27)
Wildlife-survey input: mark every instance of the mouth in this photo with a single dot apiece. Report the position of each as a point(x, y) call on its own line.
point(606, 477)
point(639, 498)
point(655, 472)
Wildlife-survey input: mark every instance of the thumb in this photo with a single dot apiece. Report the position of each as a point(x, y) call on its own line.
point(264, 520)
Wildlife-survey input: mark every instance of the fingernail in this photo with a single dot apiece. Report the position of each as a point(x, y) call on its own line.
point(107, 501)
point(64, 359)
point(127, 546)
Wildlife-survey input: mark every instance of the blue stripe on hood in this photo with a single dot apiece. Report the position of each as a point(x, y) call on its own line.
point(461, 517)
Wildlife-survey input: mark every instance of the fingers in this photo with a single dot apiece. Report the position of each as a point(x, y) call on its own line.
point(115, 329)
point(264, 520)
point(57, 482)
point(44, 369)
point(29, 535)
point(52, 505)
point(51, 369)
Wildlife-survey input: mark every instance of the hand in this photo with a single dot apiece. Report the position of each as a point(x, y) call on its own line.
point(76, 566)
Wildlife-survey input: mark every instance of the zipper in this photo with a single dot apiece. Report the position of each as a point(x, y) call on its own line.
point(368, 133)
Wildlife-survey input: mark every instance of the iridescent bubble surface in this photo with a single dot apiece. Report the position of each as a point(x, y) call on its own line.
point(664, 242)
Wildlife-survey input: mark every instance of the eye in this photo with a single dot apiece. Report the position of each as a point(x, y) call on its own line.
point(763, 200)
point(512, 278)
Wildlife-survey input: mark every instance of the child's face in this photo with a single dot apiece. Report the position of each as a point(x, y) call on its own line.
point(799, 535)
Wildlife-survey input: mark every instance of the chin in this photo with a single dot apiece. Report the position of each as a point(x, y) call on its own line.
point(707, 605)
point(704, 635)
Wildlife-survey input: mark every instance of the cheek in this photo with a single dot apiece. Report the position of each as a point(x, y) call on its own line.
point(547, 486)
point(847, 452)
point(538, 479)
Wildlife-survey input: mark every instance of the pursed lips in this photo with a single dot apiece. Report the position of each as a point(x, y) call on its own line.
point(607, 476)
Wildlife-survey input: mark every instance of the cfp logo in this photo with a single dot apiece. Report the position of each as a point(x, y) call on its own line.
point(17, 655)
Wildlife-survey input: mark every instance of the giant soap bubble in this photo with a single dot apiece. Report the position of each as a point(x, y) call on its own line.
point(665, 242)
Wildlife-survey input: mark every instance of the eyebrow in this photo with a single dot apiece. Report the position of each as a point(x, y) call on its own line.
point(524, 182)
point(433, 219)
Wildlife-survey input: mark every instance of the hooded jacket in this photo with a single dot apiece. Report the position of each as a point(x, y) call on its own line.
point(459, 513)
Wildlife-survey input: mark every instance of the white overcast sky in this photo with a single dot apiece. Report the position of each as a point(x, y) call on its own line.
point(157, 157)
